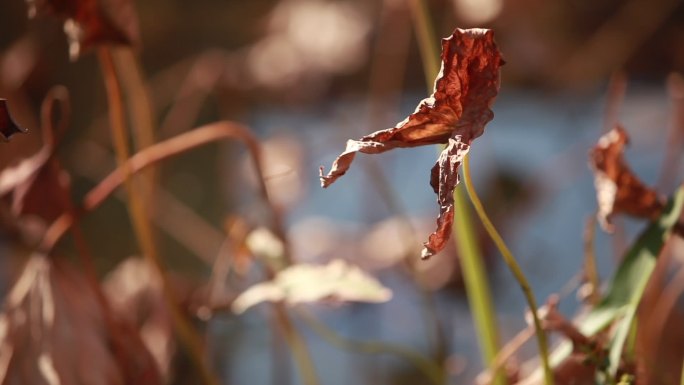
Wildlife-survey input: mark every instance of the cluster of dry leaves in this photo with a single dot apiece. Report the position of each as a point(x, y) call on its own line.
point(57, 317)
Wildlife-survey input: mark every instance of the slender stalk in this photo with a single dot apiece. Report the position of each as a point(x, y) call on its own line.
point(475, 279)
point(515, 269)
point(477, 285)
point(302, 356)
point(426, 41)
point(426, 366)
point(590, 271)
point(139, 106)
point(141, 225)
point(681, 379)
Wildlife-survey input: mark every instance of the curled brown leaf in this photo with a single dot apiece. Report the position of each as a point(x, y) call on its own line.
point(618, 190)
point(455, 114)
point(88, 23)
point(37, 182)
point(53, 330)
point(7, 125)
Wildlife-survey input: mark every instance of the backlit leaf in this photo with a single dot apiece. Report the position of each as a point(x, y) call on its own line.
point(618, 190)
point(455, 114)
point(303, 283)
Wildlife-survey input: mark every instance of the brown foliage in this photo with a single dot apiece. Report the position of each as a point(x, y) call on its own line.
point(454, 115)
point(54, 330)
point(7, 125)
point(38, 184)
point(618, 190)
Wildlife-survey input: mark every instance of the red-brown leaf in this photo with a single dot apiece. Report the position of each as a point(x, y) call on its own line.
point(618, 190)
point(54, 330)
point(88, 23)
point(38, 184)
point(7, 125)
point(455, 114)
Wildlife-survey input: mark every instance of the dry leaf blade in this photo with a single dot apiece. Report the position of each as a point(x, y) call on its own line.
point(455, 114)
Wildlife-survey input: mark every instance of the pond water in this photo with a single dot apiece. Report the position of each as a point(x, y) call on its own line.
point(542, 140)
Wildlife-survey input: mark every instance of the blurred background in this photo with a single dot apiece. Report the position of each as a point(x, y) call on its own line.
point(305, 75)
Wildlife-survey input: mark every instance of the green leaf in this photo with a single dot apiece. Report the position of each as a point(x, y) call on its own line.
point(627, 286)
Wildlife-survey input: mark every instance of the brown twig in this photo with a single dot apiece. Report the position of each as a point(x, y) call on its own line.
point(156, 153)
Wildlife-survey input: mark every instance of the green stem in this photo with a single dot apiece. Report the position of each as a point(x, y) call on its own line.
point(141, 224)
point(477, 286)
point(426, 41)
point(302, 356)
point(515, 269)
point(426, 366)
point(681, 379)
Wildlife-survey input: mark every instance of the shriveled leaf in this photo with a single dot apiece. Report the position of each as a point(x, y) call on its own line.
point(455, 115)
point(618, 190)
point(303, 283)
point(38, 184)
point(53, 330)
point(7, 125)
point(88, 23)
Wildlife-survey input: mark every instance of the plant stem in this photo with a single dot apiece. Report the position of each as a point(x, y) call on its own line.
point(515, 269)
point(302, 357)
point(141, 225)
point(426, 366)
point(138, 103)
point(477, 286)
point(476, 283)
point(590, 271)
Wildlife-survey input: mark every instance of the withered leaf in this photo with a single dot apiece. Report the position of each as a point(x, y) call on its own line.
point(455, 114)
point(38, 183)
point(54, 330)
point(88, 23)
point(7, 125)
point(618, 190)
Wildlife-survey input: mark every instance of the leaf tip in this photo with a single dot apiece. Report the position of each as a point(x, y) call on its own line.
point(7, 125)
point(325, 180)
point(426, 253)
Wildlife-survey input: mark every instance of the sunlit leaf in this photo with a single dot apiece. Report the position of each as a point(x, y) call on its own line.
point(7, 125)
point(618, 190)
point(88, 23)
point(303, 283)
point(454, 115)
point(54, 330)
